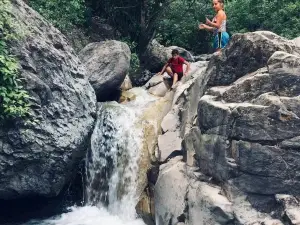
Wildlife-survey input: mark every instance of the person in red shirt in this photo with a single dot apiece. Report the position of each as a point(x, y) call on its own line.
point(174, 67)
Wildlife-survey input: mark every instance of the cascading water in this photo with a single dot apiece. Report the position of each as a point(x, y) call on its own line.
point(111, 167)
point(112, 164)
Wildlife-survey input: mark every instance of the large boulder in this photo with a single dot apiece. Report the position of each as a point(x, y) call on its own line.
point(246, 53)
point(248, 134)
point(39, 159)
point(157, 55)
point(107, 64)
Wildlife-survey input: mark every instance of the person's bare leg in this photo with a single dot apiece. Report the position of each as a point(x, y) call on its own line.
point(175, 79)
point(169, 71)
point(167, 81)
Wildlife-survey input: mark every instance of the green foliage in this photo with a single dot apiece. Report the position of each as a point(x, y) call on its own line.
point(13, 100)
point(134, 60)
point(136, 19)
point(63, 14)
point(180, 25)
point(279, 16)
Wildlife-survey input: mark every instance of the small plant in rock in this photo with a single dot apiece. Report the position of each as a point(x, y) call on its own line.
point(14, 101)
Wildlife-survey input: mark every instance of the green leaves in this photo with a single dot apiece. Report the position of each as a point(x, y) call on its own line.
point(13, 100)
point(63, 14)
point(279, 16)
point(180, 25)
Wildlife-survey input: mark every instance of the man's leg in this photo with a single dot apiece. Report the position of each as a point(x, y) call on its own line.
point(167, 81)
point(169, 71)
point(175, 79)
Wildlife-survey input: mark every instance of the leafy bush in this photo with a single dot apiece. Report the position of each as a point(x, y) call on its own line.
point(63, 14)
point(13, 100)
point(134, 60)
point(279, 16)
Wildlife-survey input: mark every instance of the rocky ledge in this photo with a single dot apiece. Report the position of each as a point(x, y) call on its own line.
point(237, 120)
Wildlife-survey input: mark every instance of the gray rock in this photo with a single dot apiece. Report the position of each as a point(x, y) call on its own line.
point(284, 70)
point(159, 90)
point(188, 94)
point(203, 57)
point(207, 206)
point(297, 41)
point(248, 131)
point(126, 85)
point(141, 78)
point(245, 54)
point(155, 80)
point(291, 207)
point(156, 56)
point(39, 160)
point(167, 143)
point(170, 192)
point(107, 64)
point(170, 122)
point(190, 145)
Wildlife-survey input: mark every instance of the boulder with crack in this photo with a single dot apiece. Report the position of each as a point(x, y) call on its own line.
point(39, 159)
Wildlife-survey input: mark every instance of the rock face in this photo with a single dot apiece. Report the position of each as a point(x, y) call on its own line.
point(250, 126)
point(246, 53)
point(157, 55)
point(239, 122)
point(38, 160)
point(107, 64)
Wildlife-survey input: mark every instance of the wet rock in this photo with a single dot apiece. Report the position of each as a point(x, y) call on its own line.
point(141, 78)
point(159, 90)
point(40, 159)
point(126, 85)
point(127, 97)
point(107, 64)
point(155, 80)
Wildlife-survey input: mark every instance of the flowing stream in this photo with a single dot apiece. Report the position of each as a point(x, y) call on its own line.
point(111, 167)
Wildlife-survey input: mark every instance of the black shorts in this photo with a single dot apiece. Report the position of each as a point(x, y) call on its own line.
point(180, 74)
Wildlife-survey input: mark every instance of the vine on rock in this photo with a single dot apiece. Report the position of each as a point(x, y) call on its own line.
point(14, 100)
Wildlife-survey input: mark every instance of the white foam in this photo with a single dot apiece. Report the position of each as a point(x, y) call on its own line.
point(91, 215)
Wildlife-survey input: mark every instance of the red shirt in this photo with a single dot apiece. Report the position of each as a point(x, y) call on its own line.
point(176, 64)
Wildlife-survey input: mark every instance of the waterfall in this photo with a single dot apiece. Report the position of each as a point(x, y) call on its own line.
point(112, 163)
point(111, 167)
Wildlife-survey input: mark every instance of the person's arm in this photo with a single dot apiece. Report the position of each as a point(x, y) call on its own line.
point(163, 69)
point(187, 67)
point(206, 27)
point(219, 18)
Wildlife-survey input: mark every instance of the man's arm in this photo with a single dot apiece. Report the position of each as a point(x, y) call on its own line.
point(163, 69)
point(187, 67)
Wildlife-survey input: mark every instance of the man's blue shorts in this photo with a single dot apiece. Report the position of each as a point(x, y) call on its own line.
point(221, 40)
